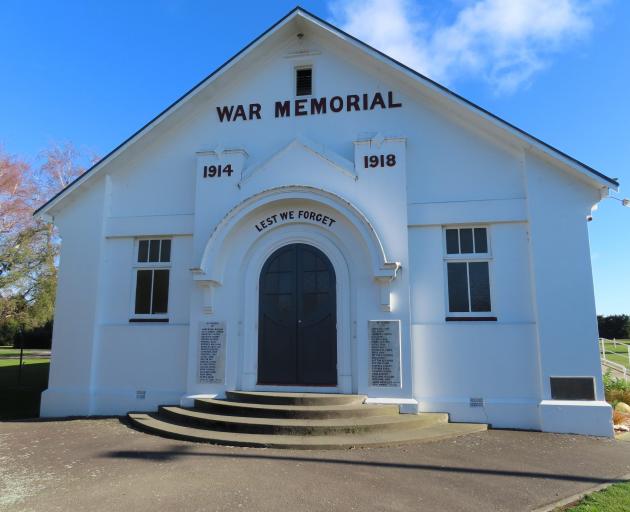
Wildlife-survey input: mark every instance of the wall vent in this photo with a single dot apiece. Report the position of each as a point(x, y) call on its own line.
point(476, 402)
point(303, 81)
point(141, 394)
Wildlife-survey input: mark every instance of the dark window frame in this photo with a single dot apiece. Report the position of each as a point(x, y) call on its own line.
point(461, 240)
point(473, 233)
point(296, 81)
point(161, 263)
point(153, 250)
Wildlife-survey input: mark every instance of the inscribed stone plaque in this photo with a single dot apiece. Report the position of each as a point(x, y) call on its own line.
point(384, 353)
point(212, 352)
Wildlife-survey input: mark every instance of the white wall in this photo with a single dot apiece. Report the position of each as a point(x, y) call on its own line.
point(560, 255)
point(76, 315)
point(456, 361)
point(563, 295)
point(138, 356)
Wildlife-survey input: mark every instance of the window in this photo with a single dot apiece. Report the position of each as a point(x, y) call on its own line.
point(303, 81)
point(468, 273)
point(467, 241)
point(152, 280)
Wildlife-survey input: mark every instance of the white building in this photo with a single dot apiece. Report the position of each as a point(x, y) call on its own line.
point(247, 237)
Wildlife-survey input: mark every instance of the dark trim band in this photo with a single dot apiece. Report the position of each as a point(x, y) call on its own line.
point(471, 318)
point(148, 320)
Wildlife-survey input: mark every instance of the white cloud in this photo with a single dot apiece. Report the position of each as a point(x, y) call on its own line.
point(504, 42)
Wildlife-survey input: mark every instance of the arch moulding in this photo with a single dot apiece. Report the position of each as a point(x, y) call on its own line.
point(211, 267)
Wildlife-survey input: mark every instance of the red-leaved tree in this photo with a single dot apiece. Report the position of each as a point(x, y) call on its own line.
point(28, 246)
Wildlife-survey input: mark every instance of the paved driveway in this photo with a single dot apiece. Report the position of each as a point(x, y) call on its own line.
point(102, 465)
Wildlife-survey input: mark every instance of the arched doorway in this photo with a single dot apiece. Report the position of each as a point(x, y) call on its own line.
point(297, 333)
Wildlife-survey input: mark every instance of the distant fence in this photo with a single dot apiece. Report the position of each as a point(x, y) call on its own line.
point(620, 351)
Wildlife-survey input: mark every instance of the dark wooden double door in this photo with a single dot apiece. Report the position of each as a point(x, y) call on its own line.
point(297, 326)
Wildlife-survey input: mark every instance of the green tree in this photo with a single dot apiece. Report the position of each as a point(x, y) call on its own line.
point(614, 326)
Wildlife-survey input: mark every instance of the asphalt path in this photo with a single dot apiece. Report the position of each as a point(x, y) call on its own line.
point(103, 465)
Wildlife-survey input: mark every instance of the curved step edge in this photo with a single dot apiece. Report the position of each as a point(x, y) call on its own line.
point(226, 407)
point(276, 398)
point(148, 423)
point(317, 427)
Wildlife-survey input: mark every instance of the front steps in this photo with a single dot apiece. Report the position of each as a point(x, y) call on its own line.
point(297, 421)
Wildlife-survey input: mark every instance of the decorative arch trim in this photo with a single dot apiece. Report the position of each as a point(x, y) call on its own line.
point(210, 267)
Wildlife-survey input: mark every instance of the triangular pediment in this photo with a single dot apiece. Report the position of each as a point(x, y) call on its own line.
point(300, 148)
point(300, 21)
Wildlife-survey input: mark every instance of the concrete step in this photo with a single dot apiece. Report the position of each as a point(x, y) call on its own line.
point(226, 407)
point(153, 424)
point(270, 398)
point(300, 427)
point(297, 420)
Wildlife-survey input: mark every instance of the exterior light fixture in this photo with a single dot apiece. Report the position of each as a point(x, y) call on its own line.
point(624, 202)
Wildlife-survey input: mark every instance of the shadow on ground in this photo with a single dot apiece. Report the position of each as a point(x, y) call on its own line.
point(185, 451)
point(20, 392)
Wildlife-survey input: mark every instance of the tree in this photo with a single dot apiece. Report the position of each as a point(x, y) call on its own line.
point(28, 246)
point(614, 326)
point(15, 194)
point(60, 167)
point(16, 191)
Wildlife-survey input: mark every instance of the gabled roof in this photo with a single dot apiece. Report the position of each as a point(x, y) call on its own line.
point(299, 12)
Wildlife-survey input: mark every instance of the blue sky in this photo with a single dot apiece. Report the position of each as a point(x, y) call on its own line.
point(93, 72)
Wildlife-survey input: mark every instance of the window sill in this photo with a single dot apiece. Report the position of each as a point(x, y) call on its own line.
point(471, 318)
point(145, 320)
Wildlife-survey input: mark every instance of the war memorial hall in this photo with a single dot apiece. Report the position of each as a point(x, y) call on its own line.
point(315, 229)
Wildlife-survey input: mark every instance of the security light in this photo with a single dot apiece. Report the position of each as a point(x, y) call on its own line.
point(624, 202)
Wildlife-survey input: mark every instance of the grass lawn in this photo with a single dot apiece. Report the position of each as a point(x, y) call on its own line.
point(20, 398)
point(615, 498)
point(618, 354)
point(8, 351)
point(25, 361)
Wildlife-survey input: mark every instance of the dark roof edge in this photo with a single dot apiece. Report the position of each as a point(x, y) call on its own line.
point(467, 101)
point(190, 91)
point(612, 181)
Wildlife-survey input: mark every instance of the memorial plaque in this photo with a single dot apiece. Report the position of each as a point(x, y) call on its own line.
point(384, 353)
point(212, 352)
